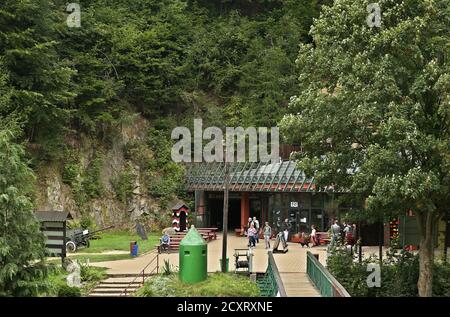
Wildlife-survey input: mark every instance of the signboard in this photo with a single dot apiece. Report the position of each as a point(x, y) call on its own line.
point(294, 204)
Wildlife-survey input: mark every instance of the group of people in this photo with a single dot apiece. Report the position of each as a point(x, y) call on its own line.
point(343, 233)
point(254, 230)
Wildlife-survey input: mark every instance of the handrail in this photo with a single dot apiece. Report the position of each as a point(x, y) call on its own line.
point(271, 284)
point(124, 293)
point(317, 273)
point(277, 275)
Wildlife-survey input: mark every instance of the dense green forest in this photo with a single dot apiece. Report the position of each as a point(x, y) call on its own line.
point(229, 62)
point(161, 58)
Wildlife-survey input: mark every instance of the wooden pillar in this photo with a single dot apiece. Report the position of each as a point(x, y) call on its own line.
point(245, 209)
point(200, 208)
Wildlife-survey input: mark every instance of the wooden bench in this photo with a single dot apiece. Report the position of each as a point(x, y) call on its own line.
point(174, 246)
point(208, 237)
point(210, 232)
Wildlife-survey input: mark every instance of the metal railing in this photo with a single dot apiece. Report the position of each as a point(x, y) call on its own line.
point(270, 283)
point(143, 275)
point(322, 279)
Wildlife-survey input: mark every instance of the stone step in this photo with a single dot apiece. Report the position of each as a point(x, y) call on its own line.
point(109, 290)
point(121, 280)
point(122, 286)
point(112, 282)
point(105, 294)
point(126, 275)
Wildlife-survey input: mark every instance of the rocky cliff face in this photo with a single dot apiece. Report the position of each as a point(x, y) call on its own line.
point(55, 194)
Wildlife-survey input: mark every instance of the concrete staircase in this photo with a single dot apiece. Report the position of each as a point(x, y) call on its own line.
point(115, 285)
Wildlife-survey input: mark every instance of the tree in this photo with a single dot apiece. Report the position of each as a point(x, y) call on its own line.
point(39, 78)
point(22, 245)
point(373, 110)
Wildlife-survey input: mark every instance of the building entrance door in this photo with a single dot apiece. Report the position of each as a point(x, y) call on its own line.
point(303, 220)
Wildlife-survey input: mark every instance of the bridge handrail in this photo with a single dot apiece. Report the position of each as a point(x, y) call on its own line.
point(277, 276)
point(324, 281)
point(271, 284)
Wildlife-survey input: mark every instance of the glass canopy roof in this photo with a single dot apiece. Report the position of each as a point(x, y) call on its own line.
point(250, 177)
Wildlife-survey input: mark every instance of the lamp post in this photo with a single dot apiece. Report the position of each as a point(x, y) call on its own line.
point(225, 216)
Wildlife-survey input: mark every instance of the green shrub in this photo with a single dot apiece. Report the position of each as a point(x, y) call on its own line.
point(71, 168)
point(92, 185)
point(123, 184)
point(441, 280)
point(67, 291)
point(90, 273)
point(399, 274)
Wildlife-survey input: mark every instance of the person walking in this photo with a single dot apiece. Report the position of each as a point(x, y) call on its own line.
point(249, 222)
point(285, 227)
point(314, 236)
point(256, 224)
point(251, 235)
point(267, 231)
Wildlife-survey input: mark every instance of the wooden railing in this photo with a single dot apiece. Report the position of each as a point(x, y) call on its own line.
point(327, 285)
point(270, 283)
point(142, 274)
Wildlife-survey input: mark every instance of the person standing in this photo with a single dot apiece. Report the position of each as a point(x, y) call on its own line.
point(348, 233)
point(335, 232)
point(251, 235)
point(267, 234)
point(256, 224)
point(285, 227)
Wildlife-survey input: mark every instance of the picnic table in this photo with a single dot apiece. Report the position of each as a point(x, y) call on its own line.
point(323, 238)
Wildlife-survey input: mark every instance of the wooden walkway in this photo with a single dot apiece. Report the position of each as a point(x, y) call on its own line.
point(292, 268)
point(298, 285)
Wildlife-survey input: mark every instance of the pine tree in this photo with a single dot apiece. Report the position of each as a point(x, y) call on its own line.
point(22, 270)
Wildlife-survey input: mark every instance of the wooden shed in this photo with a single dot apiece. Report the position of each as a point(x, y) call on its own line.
point(53, 225)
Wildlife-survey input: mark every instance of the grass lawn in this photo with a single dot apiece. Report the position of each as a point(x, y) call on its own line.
point(217, 285)
point(120, 240)
point(113, 241)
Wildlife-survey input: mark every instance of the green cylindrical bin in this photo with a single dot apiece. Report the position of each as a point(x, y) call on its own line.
point(193, 257)
point(227, 265)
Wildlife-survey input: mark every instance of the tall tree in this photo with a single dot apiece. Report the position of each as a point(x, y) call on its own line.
point(22, 270)
point(373, 110)
point(40, 78)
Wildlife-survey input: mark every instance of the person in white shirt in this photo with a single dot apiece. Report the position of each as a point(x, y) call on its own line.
point(256, 224)
point(314, 236)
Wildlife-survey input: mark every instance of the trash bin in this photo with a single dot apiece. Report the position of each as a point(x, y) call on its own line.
point(227, 268)
point(193, 257)
point(132, 244)
point(134, 248)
